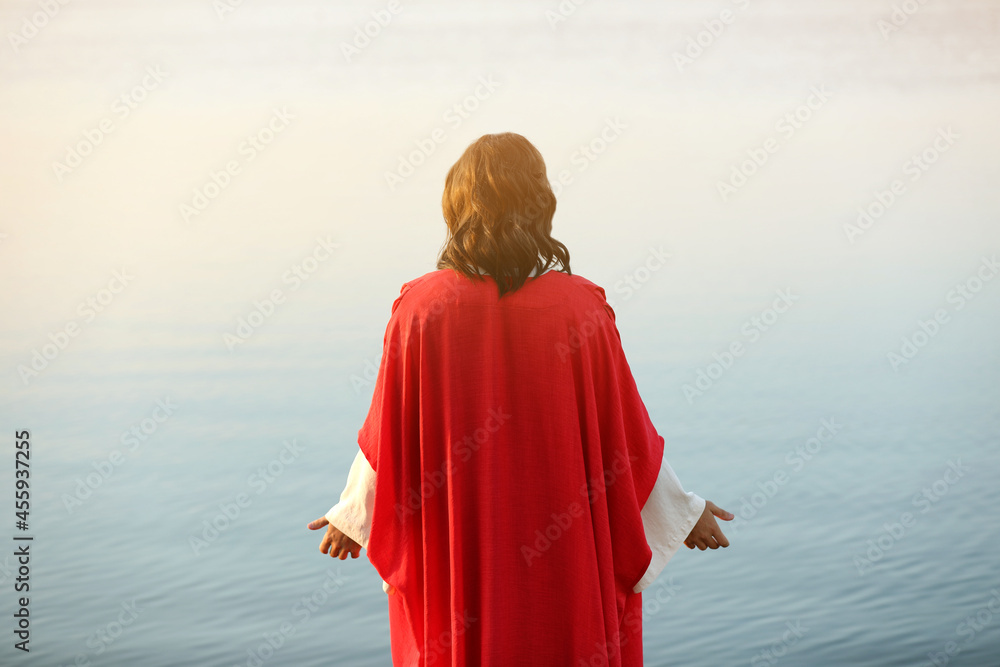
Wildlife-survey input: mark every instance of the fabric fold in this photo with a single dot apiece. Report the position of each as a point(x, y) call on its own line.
point(471, 453)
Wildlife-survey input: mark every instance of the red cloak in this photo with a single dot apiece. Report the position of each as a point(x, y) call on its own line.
point(513, 456)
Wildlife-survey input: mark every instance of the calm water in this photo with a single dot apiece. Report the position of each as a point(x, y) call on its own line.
point(876, 545)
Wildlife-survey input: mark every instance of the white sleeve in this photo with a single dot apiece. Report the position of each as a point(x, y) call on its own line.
point(667, 517)
point(353, 514)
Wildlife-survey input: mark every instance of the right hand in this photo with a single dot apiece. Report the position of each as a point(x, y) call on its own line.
point(706, 534)
point(335, 542)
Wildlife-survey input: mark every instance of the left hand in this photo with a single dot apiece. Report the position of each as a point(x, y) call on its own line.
point(335, 542)
point(706, 534)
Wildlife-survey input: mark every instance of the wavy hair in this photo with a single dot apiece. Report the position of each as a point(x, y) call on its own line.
point(498, 206)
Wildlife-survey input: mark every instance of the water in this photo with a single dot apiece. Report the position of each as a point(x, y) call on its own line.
point(798, 580)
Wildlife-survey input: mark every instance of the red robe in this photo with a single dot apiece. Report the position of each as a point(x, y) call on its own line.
point(513, 457)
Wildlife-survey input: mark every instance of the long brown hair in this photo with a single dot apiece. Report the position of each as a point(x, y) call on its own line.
point(498, 205)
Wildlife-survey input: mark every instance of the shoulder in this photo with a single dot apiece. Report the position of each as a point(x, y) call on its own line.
point(428, 280)
point(429, 286)
point(554, 289)
point(582, 292)
point(433, 282)
point(577, 284)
